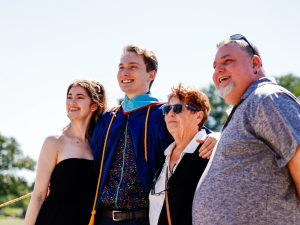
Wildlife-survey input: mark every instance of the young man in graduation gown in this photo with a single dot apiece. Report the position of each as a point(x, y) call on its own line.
point(128, 143)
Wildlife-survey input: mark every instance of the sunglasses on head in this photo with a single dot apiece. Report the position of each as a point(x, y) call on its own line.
point(236, 37)
point(177, 108)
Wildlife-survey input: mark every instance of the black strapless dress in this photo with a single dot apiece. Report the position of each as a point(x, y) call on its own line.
point(72, 191)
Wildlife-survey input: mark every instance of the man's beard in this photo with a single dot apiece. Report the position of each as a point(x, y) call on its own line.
point(224, 91)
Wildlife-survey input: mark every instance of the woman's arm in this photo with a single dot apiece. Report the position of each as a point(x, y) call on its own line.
point(46, 164)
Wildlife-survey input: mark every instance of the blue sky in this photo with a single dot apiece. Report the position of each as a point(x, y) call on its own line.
point(45, 45)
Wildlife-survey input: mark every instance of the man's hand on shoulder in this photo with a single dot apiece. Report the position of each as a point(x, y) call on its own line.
point(208, 145)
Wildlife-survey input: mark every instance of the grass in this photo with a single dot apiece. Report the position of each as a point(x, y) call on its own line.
point(11, 221)
point(11, 216)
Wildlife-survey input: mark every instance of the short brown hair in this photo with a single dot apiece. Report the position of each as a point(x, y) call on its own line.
point(149, 57)
point(194, 97)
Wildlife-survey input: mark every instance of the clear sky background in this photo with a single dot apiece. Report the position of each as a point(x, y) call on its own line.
point(46, 45)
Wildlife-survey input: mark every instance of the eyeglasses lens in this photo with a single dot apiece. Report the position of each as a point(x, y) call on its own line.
point(177, 108)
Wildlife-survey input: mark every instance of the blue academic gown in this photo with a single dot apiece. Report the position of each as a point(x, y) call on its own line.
point(158, 139)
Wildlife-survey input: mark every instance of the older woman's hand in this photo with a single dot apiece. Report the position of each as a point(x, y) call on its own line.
point(208, 145)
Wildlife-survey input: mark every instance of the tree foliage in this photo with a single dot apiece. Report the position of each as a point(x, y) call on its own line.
point(218, 115)
point(11, 161)
point(290, 82)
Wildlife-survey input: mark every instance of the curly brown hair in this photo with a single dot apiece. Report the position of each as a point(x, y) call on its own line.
point(193, 97)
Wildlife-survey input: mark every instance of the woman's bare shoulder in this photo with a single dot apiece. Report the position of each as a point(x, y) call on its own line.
point(52, 141)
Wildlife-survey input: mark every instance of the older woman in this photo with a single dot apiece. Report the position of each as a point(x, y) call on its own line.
point(173, 190)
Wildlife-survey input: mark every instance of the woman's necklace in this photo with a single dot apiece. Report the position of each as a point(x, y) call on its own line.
point(78, 140)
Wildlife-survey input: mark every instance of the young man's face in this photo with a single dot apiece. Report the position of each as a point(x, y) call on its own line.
point(133, 77)
point(233, 73)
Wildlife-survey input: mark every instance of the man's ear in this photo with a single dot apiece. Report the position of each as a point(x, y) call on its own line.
point(256, 63)
point(151, 75)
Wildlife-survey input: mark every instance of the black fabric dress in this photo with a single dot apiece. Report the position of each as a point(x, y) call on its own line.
point(72, 191)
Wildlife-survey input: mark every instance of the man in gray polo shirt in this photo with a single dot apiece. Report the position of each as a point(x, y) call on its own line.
point(254, 175)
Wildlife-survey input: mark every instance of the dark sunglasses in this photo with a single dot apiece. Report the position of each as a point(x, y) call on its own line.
point(242, 37)
point(177, 108)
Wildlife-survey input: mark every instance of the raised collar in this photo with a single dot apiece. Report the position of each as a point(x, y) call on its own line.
point(258, 83)
point(137, 102)
point(192, 146)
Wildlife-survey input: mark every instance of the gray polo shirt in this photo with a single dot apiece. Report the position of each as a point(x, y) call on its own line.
point(248, 181)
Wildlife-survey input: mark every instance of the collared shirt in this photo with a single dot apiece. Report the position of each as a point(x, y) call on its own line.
point(157, 201)
point(248, 181)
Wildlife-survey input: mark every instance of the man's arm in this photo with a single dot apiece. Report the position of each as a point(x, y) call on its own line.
point(294, 168)
point(208, 146)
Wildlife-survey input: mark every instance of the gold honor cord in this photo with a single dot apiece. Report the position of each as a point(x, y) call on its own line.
point(145, 137)
point(167, 198)
point(15, 200)
point(92, 219)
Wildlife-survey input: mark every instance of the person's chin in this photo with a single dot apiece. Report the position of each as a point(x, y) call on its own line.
point(225, 91)
point(224, 94)
point(126, 90)
point(172, 128)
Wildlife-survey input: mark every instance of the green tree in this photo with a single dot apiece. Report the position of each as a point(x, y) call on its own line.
point(290, 82)
point(11, 161)
point(218, 115)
